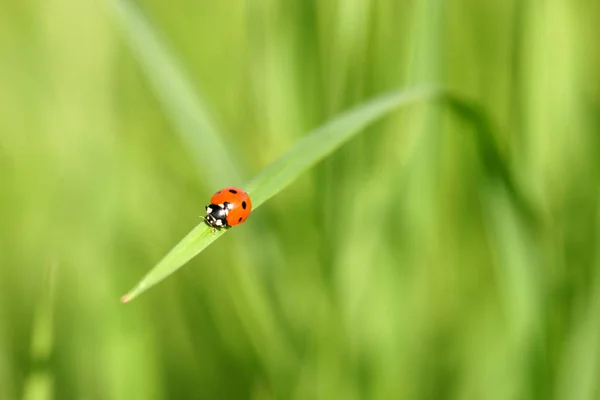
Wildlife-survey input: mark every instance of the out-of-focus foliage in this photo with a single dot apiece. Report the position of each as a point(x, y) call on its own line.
point(396, 269)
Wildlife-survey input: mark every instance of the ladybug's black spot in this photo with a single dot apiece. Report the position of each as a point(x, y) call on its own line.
point(240, 220)
point(244, 205)
point(232, 191)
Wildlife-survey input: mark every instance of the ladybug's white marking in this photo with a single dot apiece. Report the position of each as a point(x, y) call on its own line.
point(219, 222)
point(208, 209)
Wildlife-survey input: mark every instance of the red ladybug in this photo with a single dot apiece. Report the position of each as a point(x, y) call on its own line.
point(228, 207)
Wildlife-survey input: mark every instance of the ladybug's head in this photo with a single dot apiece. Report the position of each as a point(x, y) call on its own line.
point(216, 215)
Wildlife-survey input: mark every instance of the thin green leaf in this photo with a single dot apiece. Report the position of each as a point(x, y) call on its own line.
point(195, 241)
point(322, 141)
point(186, 109)
point(494, 163)
point(305, 153)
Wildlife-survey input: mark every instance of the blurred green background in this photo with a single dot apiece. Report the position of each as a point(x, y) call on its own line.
point(395, 269)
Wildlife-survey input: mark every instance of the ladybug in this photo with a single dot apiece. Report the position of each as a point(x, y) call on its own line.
point(228, 207)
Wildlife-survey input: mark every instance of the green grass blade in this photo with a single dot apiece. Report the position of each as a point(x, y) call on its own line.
point(324, 140)
point(40, 381)
point(305, 153)
point(186, 109)
point(494, 163)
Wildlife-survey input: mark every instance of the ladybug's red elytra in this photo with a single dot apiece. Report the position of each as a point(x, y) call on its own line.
point(228, 207)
